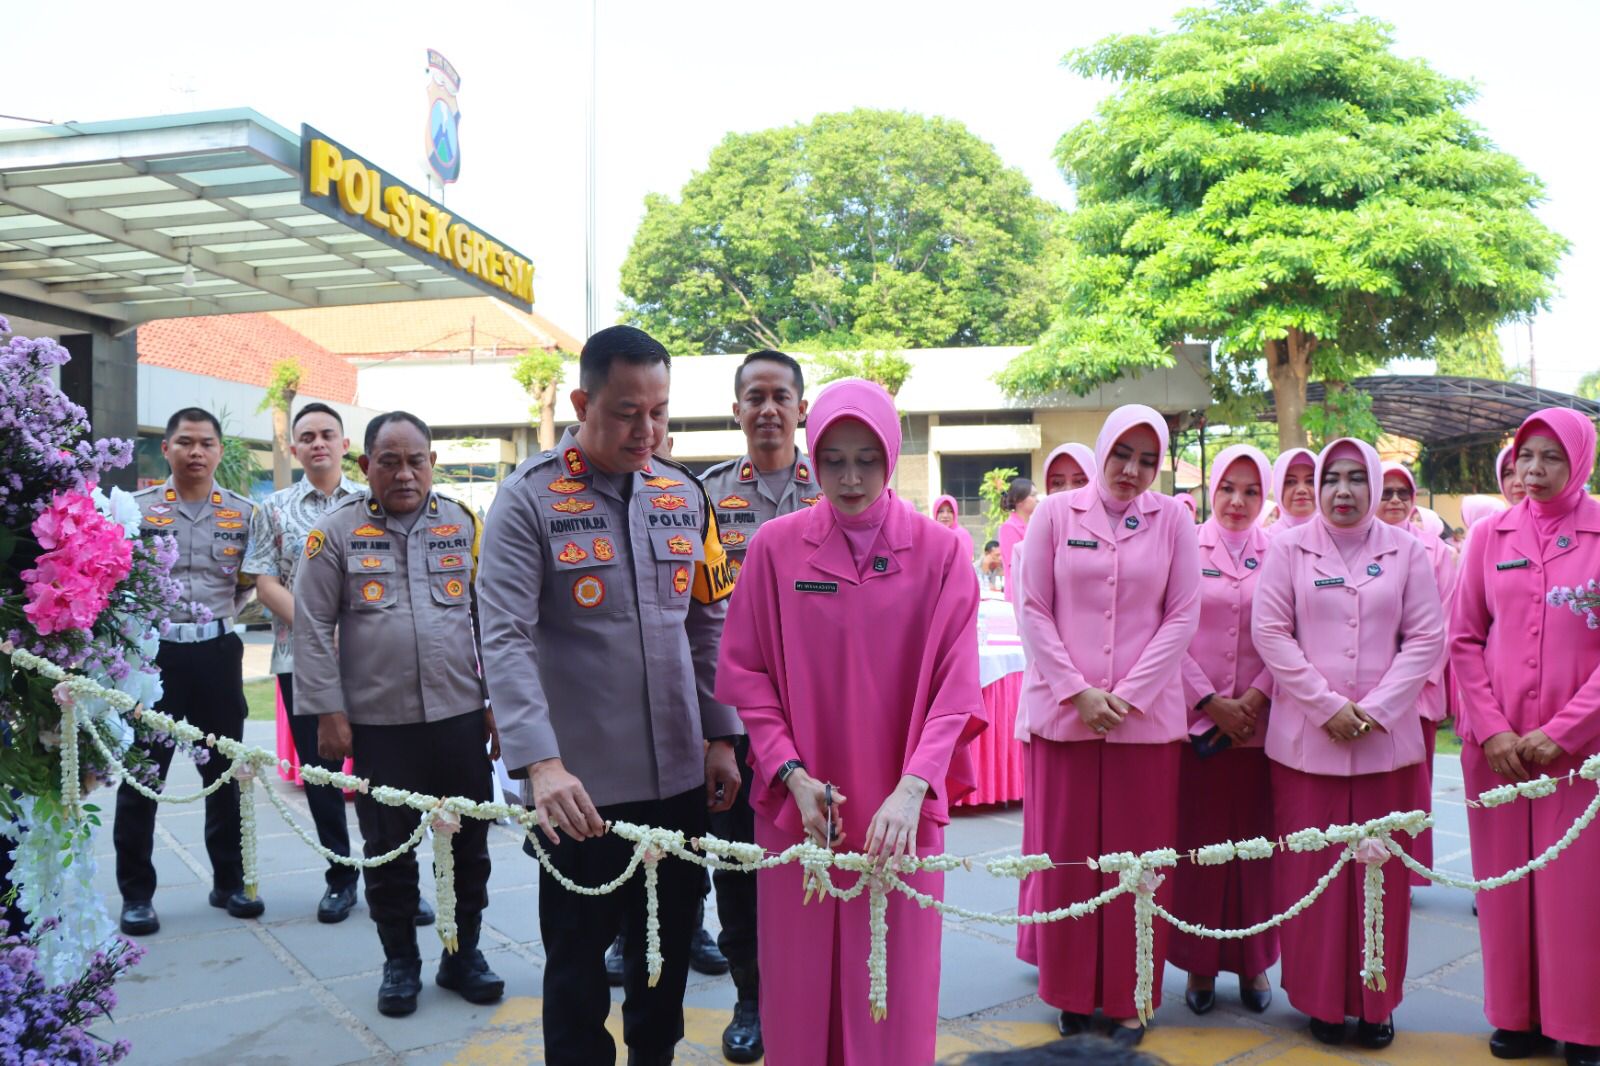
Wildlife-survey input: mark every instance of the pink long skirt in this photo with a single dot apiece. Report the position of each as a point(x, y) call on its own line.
point(1028, 891)
point(1226, 797)
point(813, 959)
point(1091, 798)
point(1322, 948)
point(1421, 848)
point(1541, 935)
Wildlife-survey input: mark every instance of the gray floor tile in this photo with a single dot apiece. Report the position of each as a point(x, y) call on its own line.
point(284, 1029)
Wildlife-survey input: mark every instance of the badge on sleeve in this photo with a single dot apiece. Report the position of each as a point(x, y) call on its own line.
point(589, 591)
point(1132, 522)
point(1373, 569)
point(314, 541)
point(679, 544)
point(1251, 564)
point(680, 580)
point(603, 550)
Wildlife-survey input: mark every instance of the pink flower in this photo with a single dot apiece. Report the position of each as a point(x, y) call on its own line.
point(87, 557)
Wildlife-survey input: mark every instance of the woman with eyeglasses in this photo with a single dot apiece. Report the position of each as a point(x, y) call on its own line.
point(1525, 651)
point(1348, 619)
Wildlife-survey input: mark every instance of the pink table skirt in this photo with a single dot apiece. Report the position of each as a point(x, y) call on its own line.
point(286, 752)
point(997, 755)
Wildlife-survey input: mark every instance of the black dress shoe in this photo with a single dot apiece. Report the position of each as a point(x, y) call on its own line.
point(1254, 999)
point(1126, 1036)
point(614, 962)
point(1582, 1054)
point(425, 915)
point(402, 970)
point(1513, 1043)
point(1200, 1000)
point(466, 972)
point(1375, 1034)
point(1327, 1032)
point(741, 1040)
point(139, 919)
point(704, 955)
point(336, 904)
point(236, 903)
point(1070, 1024)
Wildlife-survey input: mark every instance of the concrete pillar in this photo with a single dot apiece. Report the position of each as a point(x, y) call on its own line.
point(103, 378)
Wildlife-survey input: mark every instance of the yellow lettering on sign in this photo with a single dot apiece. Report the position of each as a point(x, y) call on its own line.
point(461, 246)
point(494, 265)
point(421, 221)
point(374, 211)
point(398, 202)
point(355, 190)
point(480, 256)
point(439, 235)
point(326, 163)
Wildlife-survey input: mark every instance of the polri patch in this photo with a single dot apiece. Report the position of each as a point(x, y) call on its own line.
point(1513, 564)
point(825, 587)
point(1328, 582)
point(314, 542)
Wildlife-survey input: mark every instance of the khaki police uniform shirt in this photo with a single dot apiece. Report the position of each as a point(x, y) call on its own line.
point(743, 502)
point(211, 547)
point(383, 619)
point(601, 622)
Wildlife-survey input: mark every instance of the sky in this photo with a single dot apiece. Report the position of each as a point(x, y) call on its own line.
point(674, 79)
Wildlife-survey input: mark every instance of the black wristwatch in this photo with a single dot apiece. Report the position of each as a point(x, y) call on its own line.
point(1205, 700)
point(788, 768)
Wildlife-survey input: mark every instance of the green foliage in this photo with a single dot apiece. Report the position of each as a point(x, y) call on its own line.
point(1474, 354)
point(351, 464)
point(993, 489)
point(237, 471)
point(1460, 471)
point(879, 362)
point(854, 224)
point(537, 370)
point(1272, 170)
point(286, 377)
point(1346, 412)
point(1589, 385)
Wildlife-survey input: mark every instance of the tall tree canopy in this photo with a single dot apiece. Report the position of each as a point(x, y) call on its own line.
point(862, 229)
point(1271, 177)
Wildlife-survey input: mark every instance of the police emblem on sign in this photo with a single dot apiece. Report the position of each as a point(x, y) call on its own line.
point(444, 118)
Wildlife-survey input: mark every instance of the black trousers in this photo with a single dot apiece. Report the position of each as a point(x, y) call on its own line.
point(326, 801)
point(202, 684)
point(576, 931)
point(736, 892)
point(444, 758)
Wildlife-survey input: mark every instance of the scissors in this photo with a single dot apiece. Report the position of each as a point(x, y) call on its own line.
point(827, 795)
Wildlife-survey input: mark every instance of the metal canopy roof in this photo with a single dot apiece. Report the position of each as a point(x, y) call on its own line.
point(1449, 411)
point(103, 218)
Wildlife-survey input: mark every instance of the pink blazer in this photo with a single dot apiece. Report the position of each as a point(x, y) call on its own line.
point(1012, 530)
point(1109, 605)
point(1521, 663)
point(1434, 704)
point(1222, 657)
point(1370, 634)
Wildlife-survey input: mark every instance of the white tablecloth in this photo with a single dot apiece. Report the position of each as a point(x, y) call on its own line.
point(997, 660)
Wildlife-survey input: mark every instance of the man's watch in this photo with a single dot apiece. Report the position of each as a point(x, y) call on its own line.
point(788, 768)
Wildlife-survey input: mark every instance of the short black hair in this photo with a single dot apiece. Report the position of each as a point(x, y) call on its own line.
point(1019, 489)
point(316, 407)
point(371, 439)
point(772, 355)
point(990, 546)
point(617, 342)
point(192, 414)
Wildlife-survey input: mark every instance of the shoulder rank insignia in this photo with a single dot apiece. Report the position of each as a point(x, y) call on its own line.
point(372, 591)
point(453, 588)
point(733, 538)
point(574, 461)
point(678, 544)
point(228, 512)
point(573, 506)
point(810, 501)
point(171, 496)
point(368, 530)
point(566, 486)
point(156, 521)
point(572, 553)
point(603, 550)
point(734, 503)
point(314, 541)
point(802, 472)
point(589, 591)
point(371, 562)
point(216, 499)
point(372, 506)
point(668, 502)
point(747, 471)
point(663, 482)
point(444, 531)
point(680, 580)
point(230, 525)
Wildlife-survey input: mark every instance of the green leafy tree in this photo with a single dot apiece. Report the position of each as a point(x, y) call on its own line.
point(851, 225)
point(279, 399)
point(879, 361)
point(539, 371)
point(1474, 354)
point(236, 471)
point(993, 489)
point(1589, 385)
point(1271, 177)
point(1344, 412)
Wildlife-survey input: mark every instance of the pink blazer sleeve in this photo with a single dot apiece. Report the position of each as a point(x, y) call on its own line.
point(1421, 642)
point(1196, 685)
point(955, 702)
point(1041, 638)
point(1469, 647)
point(1272, 624)
point(744, 676)
point(1163, 656)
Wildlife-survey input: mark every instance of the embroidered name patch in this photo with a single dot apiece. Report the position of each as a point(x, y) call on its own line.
point(827, 587)
point(1325, 582)
point(1514, 564)
point(1083, 544)
point(1210, 573)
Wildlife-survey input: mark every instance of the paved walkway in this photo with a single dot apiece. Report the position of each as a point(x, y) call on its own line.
point(287, 990)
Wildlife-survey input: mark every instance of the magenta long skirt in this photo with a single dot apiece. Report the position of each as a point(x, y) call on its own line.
point(1541, 935)
point(1322, 948)
point(1090, 798)
point(1421, 848)
point(1028, 891)
point(1226, 797)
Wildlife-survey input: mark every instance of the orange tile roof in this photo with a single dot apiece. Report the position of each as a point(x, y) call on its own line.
point(427, 327)
point(244, 348)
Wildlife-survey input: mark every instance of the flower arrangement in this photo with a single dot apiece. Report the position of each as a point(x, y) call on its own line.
point(1582, 600)
point(43, 1021)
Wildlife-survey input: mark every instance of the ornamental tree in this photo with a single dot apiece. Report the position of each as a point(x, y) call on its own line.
point(539, 371)
point(279, 398)
point(866, 223)
point(1272, 178)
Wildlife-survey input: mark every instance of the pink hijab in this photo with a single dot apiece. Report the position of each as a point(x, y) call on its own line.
point(1219, 470)
point(1576, 435)
point(1119, 422)
point(955, 511)
point(866, 402)
point(1432, 524)
point(1404, 471)
point(1475, 509)
point(1508, 452)
point(1280, 471)
point(1079, 453)
point(1367, 455)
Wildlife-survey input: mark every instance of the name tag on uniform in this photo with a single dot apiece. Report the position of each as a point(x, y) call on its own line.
point(1514, 564)
point(1083, 544)
point(826, 587)
point(1325, 582)
point(1210, 573)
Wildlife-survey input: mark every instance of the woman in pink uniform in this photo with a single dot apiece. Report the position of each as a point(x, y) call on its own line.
point(850, 656)
point(946, 512)
point(1110, 602)
point(1294, 487)
point(1397, 508)
point(1528, 667)
point(1067, 467)
point(1224, 779)
point(1506, 469)
point(1021, 499)
point(1475, 509)
point(1348, 619)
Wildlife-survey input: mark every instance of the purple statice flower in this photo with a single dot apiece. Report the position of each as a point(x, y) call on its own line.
point(44, 1023)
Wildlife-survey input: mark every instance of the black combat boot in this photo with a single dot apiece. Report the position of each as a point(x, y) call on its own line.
point(402, 970)
point(465, 971)
point(741, 1040)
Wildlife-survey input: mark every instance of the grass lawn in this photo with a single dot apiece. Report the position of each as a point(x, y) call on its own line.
point(262, 698)
point(1447, 742)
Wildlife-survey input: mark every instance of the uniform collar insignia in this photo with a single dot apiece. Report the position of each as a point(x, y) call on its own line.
point(573, 458)
point(171, 495)
point(216, 498)
point(802, 472)
point(1563, 542)
point(1251, 564)
point(373, 506)
point(747, 471)
point(1132, 521)
point(433, 504)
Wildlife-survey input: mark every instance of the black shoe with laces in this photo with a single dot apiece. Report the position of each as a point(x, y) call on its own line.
point(336, 904)
point(402, 971)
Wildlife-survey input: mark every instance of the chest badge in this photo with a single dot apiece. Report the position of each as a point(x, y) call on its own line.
point(588, 592)
point(368, 531)
point(444, 531)
point(880, 565)
point(1251, 564)
point(228, 512)
point(663, 482)
point(668, 502)
point(1563, 542)
point(1373, 569)
point(454, 588)
point(566, 486)
point(230, 550)
point(372, 591)
point(734, 503)
point(371, 562)
point(230, 525)
point(451, 562)
point(1132, 522)
point(680, 580)
point(733, 538)
point(678, 544)
point(160, 508)
point(158, 521)
point(603, 550)
point(572, 553)
point(574, 460)
point(1204, 572)
point(810, 501)
point(573, 506)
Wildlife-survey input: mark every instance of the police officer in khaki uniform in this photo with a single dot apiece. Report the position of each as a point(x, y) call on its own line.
point(201, 661)
point(773, 478)
point(385, 654)
point(601, 597)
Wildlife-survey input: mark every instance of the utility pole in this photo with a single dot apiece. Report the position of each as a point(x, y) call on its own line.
point(591, 318)
point(1533, 367)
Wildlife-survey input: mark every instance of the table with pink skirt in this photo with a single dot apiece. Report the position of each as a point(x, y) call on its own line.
point(997, 755)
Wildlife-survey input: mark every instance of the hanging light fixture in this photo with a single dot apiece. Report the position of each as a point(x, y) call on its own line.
point(188, 268)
